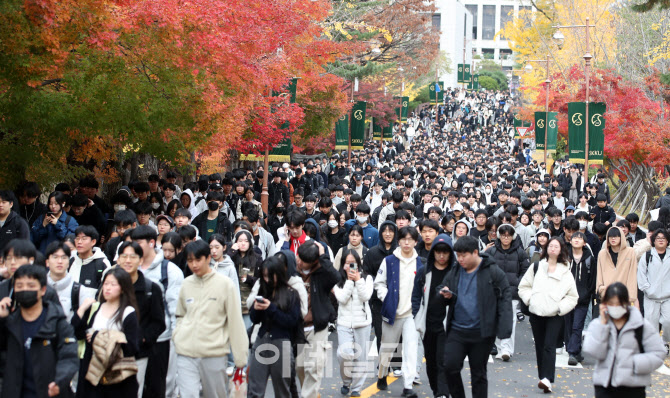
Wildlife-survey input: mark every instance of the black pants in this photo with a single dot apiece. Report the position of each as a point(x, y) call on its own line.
point(546, 330)
point(574, 326)
point(157, 368)
point(376, 308)
point(620, 392)
point(462, 343)
point(433, 349)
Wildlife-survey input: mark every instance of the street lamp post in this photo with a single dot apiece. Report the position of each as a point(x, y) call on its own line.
point(546, 102)
point(558, 36)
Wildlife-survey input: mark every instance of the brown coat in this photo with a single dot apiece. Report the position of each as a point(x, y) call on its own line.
point(107, 351)
point(625, 270)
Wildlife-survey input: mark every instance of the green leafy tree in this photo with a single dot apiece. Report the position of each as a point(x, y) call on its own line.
point(488, 83)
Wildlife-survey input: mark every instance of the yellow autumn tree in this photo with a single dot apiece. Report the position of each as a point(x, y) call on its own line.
point(530, 36)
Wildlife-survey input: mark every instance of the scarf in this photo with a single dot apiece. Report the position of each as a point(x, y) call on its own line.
point(574, 177)
point(295, 243)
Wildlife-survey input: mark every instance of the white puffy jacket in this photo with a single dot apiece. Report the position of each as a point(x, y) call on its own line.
point(549, 295)
point(353, 297)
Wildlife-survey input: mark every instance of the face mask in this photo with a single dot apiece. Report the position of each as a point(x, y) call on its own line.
point(616, 312)
point(361, 220)
point(213, 206)
point(280, 210)
point(583, 224)
point(332, 223)
point(488, 191)
point(119, 207)
point(155, 206)
point(26, 298)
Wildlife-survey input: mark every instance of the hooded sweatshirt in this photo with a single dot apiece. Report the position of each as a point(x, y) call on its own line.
point(624, 271)
point(209, 319)
point(63, 288)
point(175, 278)
point(191, 207)
point(89, 272)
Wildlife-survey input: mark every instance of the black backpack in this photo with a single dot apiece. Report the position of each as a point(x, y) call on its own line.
point(74, 296)
point(638, 336)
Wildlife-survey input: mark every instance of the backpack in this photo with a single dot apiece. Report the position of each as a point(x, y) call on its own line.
point(638, 336)
point(522, 306)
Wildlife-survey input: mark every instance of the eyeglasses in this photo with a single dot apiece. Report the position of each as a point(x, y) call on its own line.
point(660, 239)
point(64, 258)
point(128, 256)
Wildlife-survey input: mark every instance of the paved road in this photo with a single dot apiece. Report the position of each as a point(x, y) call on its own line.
point(517, 378)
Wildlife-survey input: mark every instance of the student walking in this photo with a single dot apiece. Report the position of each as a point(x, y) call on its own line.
point(550, 292)
point(354, 321)
point(627, 348)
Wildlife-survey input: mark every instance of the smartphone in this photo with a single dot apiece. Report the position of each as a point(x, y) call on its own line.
point(51, 213)
point(259, 299)
point(353, 267)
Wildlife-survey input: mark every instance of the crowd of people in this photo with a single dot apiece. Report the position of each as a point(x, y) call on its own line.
point(446, 237)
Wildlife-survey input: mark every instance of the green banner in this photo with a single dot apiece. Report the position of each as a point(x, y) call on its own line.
point(440, 94)
point(358, 125)
point(541, 122)
point(283, 150)
point(464, 74)
point(404, 107)
point(597, 132)
point(522, 128)
point(473, 84)
point(342, 132)
point(387, 133)
point(577, 131)
point(376, 130)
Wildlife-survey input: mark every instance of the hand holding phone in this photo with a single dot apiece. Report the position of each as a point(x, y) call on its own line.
point(446, 293)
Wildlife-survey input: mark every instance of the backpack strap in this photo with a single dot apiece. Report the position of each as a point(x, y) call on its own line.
point(164, 275)
point(67, 220)
point(648, 257)
point(147, 284)
point(536, 266)
point(76, 288)
point(638, 336)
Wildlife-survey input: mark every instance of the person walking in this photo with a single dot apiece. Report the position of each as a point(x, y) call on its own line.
point(617, 262)
point(626, 347)
point(653, 272)
point(354, 321)
point(550, 292)
point(509, 255)
point(480, 309)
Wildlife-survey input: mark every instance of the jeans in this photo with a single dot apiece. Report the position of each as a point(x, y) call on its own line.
point(545, 332)
point(433, 344)
point(574, 325)
point(462, 343)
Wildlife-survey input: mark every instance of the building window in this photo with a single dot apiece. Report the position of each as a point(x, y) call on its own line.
point(437, 22)
point(505, 54)
point(488, 22)
point(473, 10)
point(488, 53)
point(506, 15)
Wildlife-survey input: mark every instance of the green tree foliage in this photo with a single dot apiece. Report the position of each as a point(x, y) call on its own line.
point(488, 83)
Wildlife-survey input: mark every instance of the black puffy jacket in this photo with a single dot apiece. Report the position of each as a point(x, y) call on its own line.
point(585, 275)
point(514, 262)
point(14, 227)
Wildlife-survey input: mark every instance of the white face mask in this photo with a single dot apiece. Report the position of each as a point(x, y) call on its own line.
point(583, 224)
point(119, 207)
point(155, 206)
point(616, 312)
point(488, 191)
point(361, 220)
point(332, 223)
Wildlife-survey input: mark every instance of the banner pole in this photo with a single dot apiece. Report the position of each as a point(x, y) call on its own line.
point(546, 114)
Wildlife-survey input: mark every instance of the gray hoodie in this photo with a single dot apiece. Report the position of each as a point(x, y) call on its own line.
point(227, 267)
point(171, 296)
point(652, 277)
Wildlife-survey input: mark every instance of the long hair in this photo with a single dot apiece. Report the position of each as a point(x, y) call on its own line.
point(620, 291)
point(127, 298)
point(345, 253)
point(174, 204)
point(563, 256)
point(248, 260)
point(277, 291)
point(159, 198)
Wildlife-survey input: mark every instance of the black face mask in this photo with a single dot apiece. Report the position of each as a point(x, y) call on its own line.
point(280, 210)
point(213, 206)
point(26, 298)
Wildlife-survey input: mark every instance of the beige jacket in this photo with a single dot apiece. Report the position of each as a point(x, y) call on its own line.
point(625, 270)
point(209, 319)
point(106, 351)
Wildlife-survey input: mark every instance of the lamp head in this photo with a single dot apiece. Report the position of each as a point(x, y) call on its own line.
point(528, 68)
point(559, 39)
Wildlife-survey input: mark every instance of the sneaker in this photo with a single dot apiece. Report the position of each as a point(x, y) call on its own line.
point(344, 390)
point(572, 361)
point(559, 351)
point(417, 381)
point(580, 358)
point(494, 350)
point(545, 385)
point(397, 372)
point(506, 356)
point(230, 370)
point(409, 393)
point(355, 394)
point(381, 384)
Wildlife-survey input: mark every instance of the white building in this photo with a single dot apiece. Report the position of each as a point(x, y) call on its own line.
point(489, 17)
point(455, 23)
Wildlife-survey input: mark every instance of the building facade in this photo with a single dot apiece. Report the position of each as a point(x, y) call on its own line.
point(455, 24)
point(489, 17)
